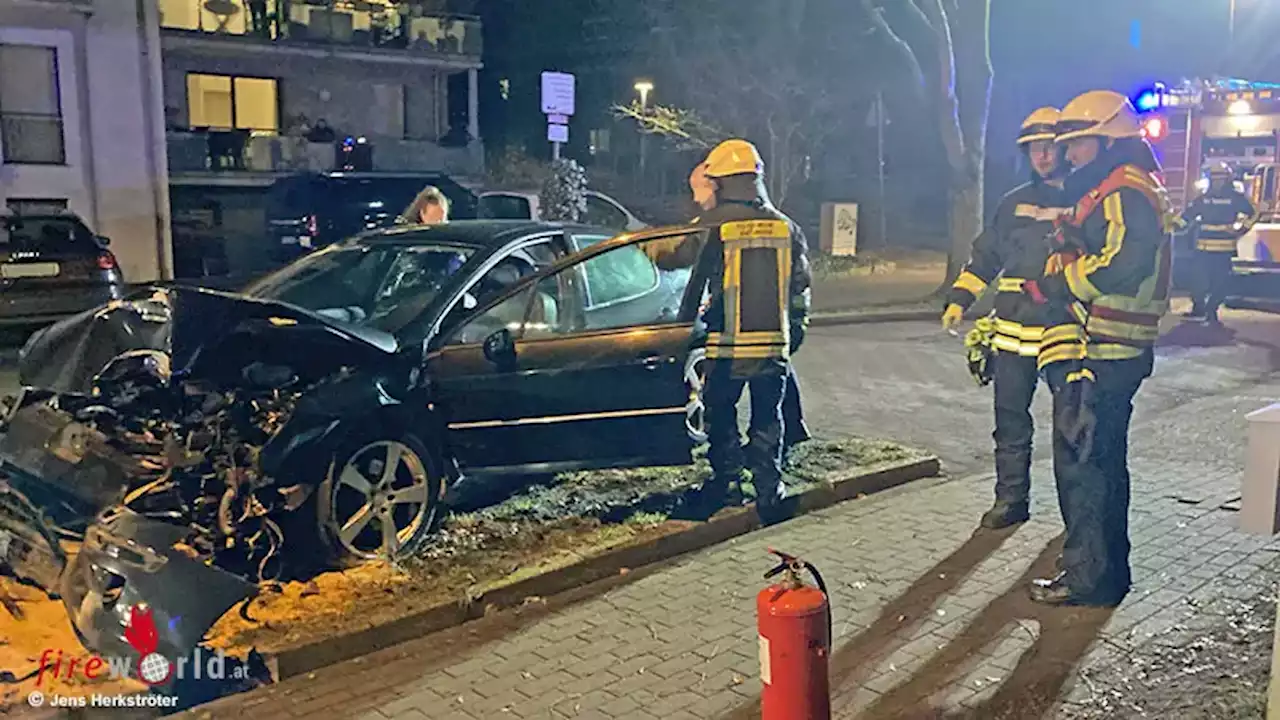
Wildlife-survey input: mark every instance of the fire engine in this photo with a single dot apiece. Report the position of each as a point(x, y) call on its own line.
point(1196, 124)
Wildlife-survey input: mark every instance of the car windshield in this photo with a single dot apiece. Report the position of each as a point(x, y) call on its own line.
point(505, 207)
point(384, 287)
point(47, 234)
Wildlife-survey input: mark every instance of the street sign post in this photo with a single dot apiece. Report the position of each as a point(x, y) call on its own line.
point(558, 97)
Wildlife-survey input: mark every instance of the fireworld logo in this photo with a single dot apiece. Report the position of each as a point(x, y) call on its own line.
point(151, 668)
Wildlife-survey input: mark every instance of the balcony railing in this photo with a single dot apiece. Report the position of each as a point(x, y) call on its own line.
point(421, 26)
point(240, 152)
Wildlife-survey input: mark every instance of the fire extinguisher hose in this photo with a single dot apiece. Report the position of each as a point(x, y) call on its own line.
point(822, 586)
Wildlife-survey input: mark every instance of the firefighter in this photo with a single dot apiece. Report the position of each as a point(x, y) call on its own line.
point(1106, 288)
point(1222, 215)
point(756, 264)
point(1014, 244)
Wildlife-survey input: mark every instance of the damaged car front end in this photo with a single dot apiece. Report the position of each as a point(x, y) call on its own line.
point(181, 437)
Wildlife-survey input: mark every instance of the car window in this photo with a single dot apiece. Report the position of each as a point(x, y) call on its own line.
point(619, 275)
point(628, 290)
point(602, 213)
point(504, 207)
point(47, 234)
point(384, 287)
point(519, 264)
point(509, 314)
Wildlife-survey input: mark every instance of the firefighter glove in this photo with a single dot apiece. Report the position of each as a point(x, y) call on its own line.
point(1077, 420)
point(797, 336)
point(979, 352)
point(952, 316)
point(1031, 289)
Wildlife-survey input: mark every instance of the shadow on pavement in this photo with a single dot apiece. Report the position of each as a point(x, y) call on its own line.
point(1035, 684)
point(892, 628)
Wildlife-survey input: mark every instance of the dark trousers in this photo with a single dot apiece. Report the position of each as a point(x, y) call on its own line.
point(763, 451)
point(794, 429)
point(1015, 379)
point(1213, 273)
point(1091, 466)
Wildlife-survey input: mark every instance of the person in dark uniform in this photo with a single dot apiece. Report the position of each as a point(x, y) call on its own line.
point(1014, 248)
point(756, 265)
point(1106, 288)
point(1221, 216)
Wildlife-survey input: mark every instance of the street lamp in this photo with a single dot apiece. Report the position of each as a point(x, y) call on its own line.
point(644, 87)
point(1231, 20)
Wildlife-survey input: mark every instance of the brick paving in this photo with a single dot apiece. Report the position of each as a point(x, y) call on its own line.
point(928, 613)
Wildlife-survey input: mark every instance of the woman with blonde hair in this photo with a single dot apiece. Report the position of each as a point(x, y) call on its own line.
point(430, 207)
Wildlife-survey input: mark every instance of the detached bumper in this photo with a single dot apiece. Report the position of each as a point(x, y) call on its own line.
point(128, 560)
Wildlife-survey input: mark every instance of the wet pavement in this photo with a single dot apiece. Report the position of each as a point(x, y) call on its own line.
point(931, 617)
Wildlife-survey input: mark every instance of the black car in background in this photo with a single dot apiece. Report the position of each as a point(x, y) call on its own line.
point(52, 266)
point(313, 210)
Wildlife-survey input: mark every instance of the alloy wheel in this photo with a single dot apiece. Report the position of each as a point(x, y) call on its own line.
point(695, 380)
point(380, 500)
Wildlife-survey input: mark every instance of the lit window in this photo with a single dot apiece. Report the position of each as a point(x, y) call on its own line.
point(225, 102)
point(30, 109)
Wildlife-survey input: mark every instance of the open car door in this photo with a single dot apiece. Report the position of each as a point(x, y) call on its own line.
point(591, 363)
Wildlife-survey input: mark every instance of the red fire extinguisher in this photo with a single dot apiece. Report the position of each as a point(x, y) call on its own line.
point(794, 622)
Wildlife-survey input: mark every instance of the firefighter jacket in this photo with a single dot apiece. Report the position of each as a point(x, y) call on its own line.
point(755, 263)
point(1223, 216)
point(1014, 243)
point(1108, 284)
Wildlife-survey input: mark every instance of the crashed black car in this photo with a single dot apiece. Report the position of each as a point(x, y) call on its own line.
point(193, 435)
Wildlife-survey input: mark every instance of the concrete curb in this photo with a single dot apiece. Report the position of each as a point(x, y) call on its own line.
point(859, 317)
point(724, 526)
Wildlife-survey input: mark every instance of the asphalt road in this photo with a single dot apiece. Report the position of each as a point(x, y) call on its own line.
point(908, 382)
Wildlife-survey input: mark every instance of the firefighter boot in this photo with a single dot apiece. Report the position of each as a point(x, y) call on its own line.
point(717, 492)
point(1005, 514)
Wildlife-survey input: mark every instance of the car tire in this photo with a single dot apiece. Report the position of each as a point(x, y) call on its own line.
point(361, 496)
point(695, 382)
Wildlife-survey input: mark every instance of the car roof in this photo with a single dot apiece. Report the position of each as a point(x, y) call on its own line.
point(480, 233)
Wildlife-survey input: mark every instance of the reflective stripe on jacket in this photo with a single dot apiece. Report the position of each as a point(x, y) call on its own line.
point(1111, 296)
point(1223, 216)
point(1011, 250)
point(758, 277)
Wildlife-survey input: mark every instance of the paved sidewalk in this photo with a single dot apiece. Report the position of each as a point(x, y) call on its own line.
point(929, 615)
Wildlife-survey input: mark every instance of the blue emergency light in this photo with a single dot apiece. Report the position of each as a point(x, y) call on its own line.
point(1149, 99)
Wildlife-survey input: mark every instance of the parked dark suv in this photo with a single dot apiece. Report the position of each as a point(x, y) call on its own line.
point(52, 266)
point(309, 211)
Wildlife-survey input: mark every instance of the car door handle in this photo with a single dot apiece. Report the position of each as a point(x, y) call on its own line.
point(650, 362)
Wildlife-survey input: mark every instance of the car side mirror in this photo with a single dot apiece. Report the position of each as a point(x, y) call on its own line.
point(103, 240)
point(469, 301)
point(500, 349)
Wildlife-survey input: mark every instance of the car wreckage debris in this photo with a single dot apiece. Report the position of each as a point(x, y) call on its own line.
point(189, 456)
point(177, 437)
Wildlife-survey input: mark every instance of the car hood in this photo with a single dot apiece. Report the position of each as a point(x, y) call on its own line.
point(200, 332)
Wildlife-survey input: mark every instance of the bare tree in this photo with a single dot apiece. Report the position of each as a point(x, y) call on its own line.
point(793, 73)
point(743, 74)
point(948, 43)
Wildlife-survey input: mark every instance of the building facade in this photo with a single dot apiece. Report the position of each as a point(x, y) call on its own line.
point(247, 82)
point(255, 90)
point(82, 122)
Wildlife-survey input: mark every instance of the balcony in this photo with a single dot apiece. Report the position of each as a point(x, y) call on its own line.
point(228, 154)
point(425, 27)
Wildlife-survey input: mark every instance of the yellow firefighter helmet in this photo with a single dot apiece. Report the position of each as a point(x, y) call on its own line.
point(1039, 125)
point(733, 157)
point(1099, 113)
